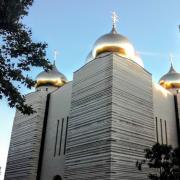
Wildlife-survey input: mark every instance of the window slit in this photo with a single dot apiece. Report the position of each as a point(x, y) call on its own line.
point(56, 138)
point(66, 135)
point(161, 131)
point(62, 124)
point(166, 132)
point(157, 135)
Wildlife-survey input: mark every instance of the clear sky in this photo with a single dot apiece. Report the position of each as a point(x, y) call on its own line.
point(72, 27)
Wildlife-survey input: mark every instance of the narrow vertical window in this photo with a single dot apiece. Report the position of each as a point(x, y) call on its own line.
point(157, 135)
point(62, 124)
point(56, 138)
point(166, 131)
point(66, 135)
point(161, 131)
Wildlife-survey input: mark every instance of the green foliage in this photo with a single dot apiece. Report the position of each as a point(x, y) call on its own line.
point(18, 53)
point(164, 160)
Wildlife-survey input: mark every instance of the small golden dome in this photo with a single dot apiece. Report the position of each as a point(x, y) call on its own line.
point(51, 78)
point(114, 42)
point(171, 80)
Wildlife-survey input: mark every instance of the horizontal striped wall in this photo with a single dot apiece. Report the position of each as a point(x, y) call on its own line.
point(132, 118)
point(88, 144)
point(111, 120)
point(23, 156)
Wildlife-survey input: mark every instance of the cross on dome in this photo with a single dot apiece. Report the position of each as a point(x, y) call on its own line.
point(55, 55)
point(115, 18)
point(52, 77)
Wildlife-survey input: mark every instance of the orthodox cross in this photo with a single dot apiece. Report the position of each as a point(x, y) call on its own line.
point(115, 18)
point(55, 55)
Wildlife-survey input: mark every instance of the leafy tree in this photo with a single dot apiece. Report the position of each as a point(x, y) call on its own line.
point(18, 53)
point(164, 160)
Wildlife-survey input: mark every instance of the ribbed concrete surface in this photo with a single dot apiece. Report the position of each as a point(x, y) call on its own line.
point(111, 120)
point(132, 127)
point(89, 142)
point(25, 143)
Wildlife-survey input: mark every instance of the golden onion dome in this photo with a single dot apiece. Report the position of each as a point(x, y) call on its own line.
point(114, 42)
point(171, 80)
point(51, 78)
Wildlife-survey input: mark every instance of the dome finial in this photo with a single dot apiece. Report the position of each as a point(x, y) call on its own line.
point(171, 61)
point(115, 19)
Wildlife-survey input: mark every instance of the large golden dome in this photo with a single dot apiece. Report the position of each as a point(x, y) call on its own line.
point(171, 80)
point(51, 78)
point(114, 42)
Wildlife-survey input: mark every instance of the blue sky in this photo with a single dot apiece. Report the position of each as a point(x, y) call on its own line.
point(72, 27)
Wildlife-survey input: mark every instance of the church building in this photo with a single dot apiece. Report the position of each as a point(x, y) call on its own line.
point(96, 126)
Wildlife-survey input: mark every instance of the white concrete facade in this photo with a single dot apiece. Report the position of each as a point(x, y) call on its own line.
point(55, 138)
point(23, 156)
point(96, 126)
point(111, 120)
point(164, 116)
